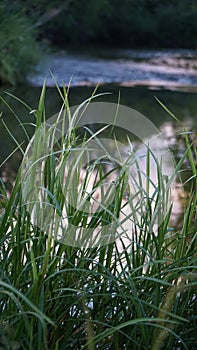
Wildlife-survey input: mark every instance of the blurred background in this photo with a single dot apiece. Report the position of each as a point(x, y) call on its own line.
point(118, 33)
point(138, 49)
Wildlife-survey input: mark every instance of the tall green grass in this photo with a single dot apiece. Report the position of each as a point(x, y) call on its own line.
point(58, 296)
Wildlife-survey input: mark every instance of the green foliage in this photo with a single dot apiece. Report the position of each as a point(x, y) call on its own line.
point(81, 22)
point(55, 296)
point(177, 26)
point(19, 51)
point(137, 23)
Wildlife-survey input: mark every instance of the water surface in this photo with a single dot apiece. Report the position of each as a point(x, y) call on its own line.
point(136, 75)
point(175, 69)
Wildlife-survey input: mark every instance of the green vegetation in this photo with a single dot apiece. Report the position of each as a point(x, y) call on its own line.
point(18, 48)
point(142, 23)
point(56, 296)
point(128, 23)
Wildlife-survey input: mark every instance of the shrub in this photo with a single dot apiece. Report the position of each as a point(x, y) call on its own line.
point(19, 51)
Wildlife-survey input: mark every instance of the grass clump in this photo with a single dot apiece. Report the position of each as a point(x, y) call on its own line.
point(55, 295)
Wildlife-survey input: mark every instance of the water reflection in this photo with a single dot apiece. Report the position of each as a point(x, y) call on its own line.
point(183, 106)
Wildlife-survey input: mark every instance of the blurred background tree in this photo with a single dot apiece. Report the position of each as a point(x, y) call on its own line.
point(131, 23)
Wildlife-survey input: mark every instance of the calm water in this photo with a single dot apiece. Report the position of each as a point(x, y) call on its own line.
point(137, 75)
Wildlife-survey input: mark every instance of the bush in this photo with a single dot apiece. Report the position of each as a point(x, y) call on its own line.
point(19, 51)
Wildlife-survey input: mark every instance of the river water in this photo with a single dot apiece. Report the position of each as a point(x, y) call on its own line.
point(136, 75)
point(165, 68)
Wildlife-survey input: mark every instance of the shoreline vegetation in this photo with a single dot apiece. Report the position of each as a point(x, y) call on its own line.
point(26, 29)
point(58, 296)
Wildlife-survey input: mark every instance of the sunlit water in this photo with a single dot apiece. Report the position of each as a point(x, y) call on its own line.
point(165, 68)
